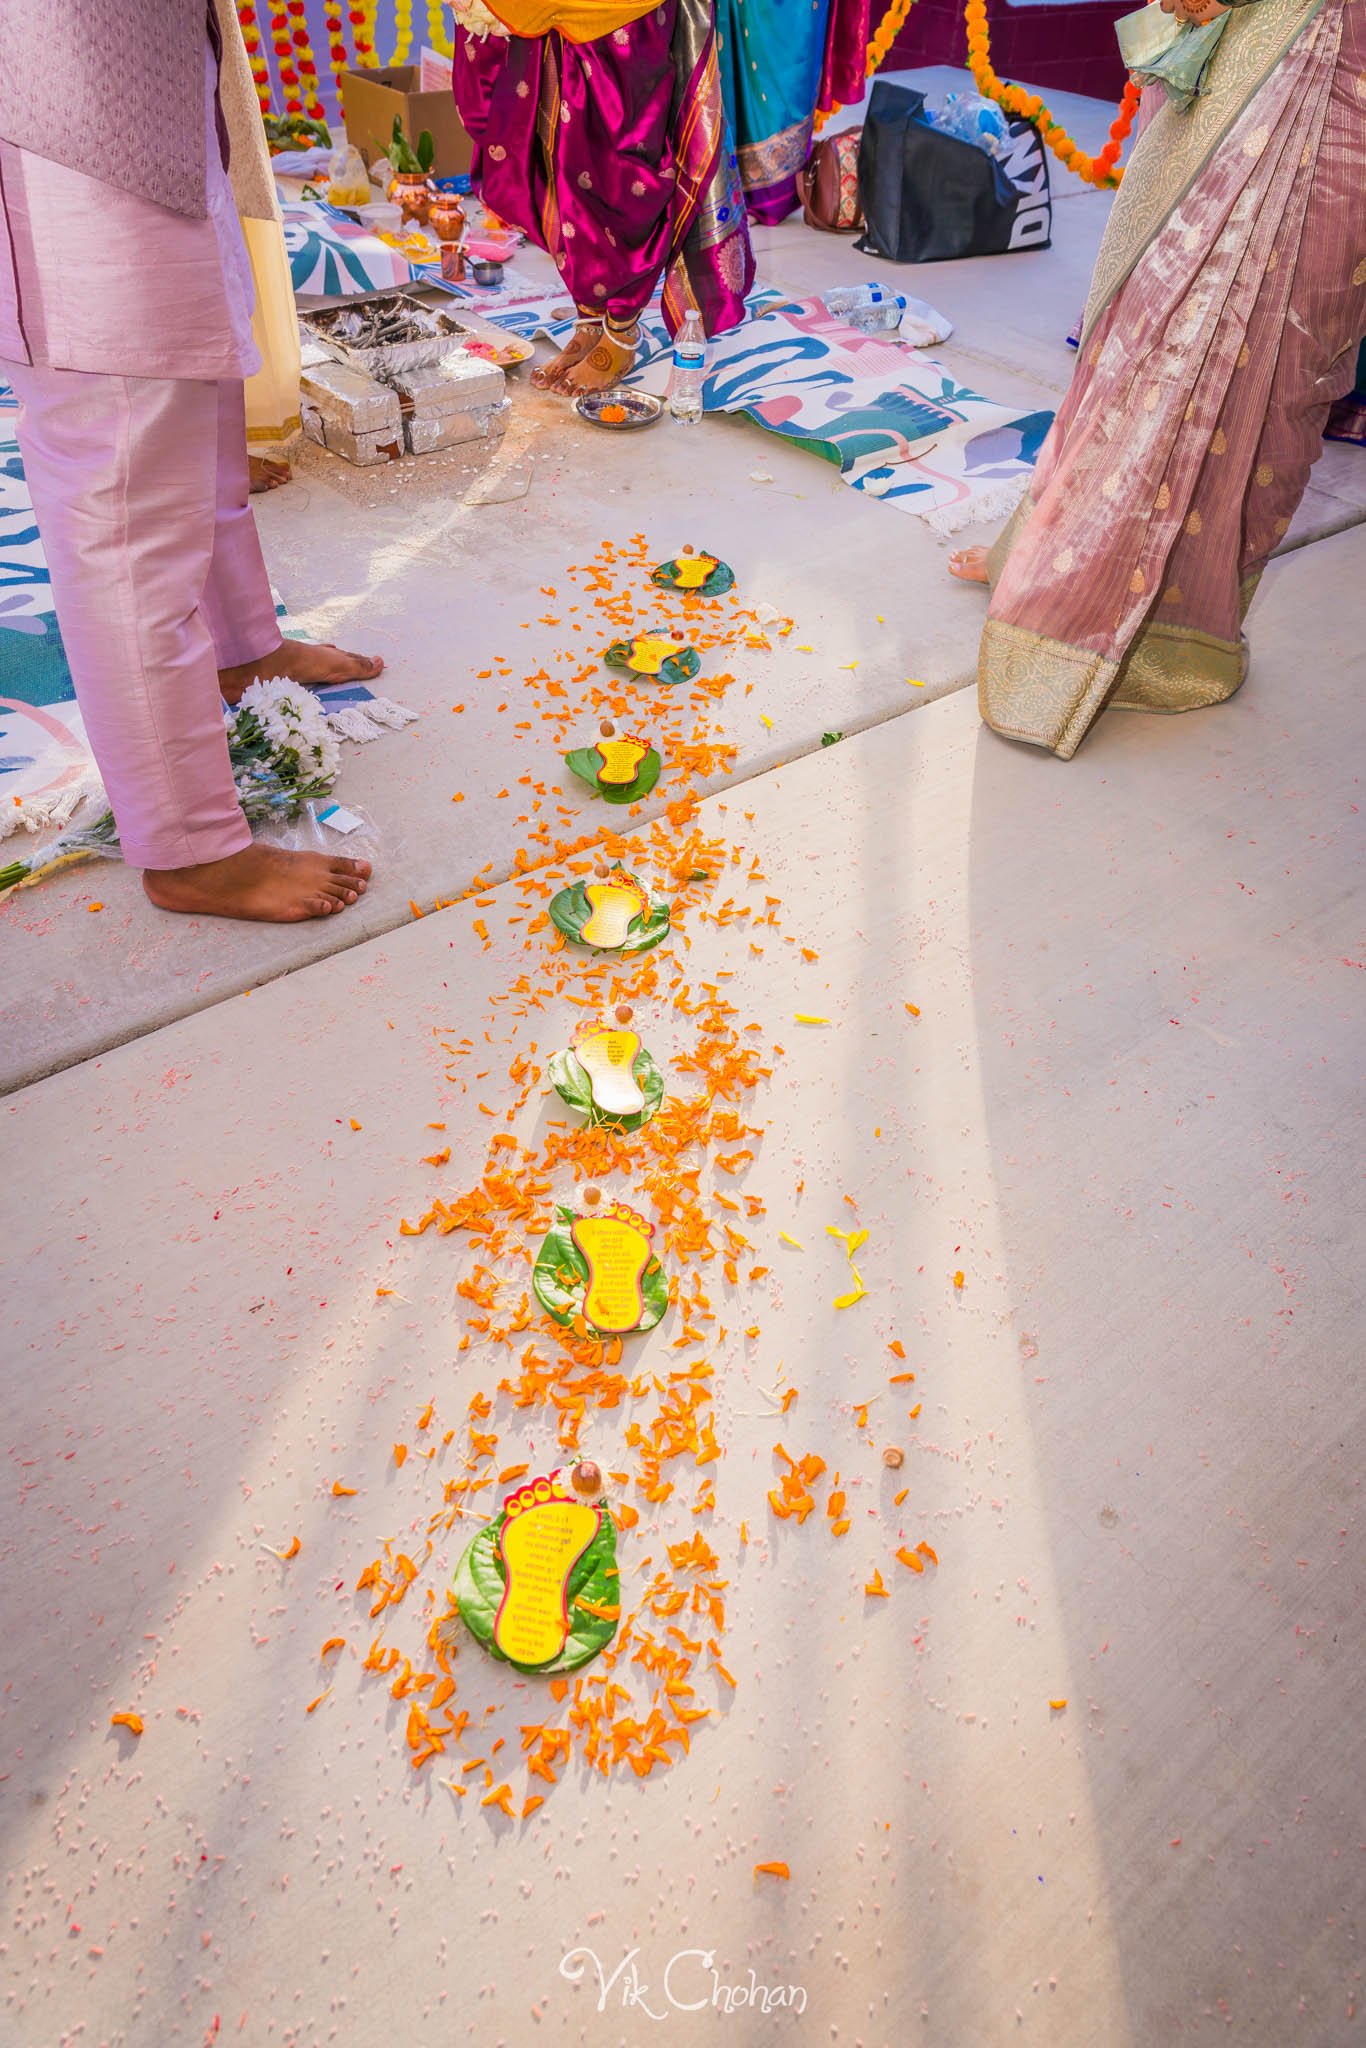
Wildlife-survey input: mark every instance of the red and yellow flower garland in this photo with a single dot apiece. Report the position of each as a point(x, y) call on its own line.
point(1013, 99)
point(251, 36)
point(303, 59)
point(296, 64)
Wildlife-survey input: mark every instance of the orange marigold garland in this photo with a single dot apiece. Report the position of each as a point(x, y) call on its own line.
point(1013, 99)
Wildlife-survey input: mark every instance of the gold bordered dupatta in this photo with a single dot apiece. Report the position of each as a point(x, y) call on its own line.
point(1177, 145)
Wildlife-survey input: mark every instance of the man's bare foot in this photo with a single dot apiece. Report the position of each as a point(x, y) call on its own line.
point(309, 662)
point(267, 473)
point(581, 343)
point(607, 365)
point(264, 883)
point(969, 565)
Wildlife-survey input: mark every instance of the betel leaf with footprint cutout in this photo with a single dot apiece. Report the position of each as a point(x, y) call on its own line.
point(621, 770)
point(571, 1622)
point(600, 1268)
point(611, 913)
point(655, 657)
point(700, 575)
point(608, 1076)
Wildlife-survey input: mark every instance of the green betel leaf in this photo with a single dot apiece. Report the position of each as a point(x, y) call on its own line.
point(570, 911)
point(572, 1084)
point(426, 150)
point(480, 1579)
point(647, 931)
point(720, 579)
point(586, 761)
point(654, 1292)
point(559, 1277)
point(681, 667)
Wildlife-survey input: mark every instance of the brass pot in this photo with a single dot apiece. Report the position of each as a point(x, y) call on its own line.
point(446, 217)
point(411, 191)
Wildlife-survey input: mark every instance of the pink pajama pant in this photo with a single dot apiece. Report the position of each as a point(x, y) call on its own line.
point(140, 490)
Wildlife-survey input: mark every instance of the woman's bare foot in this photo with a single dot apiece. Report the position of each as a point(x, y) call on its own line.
point(264, 883)
point(969, 565)
point(607, 365)
point(581, 343)
point(312, 663)
point(267, 473)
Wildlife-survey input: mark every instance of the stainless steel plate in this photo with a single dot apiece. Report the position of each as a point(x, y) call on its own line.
point(640, 408)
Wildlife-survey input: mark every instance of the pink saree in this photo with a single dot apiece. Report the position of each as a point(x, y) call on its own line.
point(613, 155)
point(1227, 304)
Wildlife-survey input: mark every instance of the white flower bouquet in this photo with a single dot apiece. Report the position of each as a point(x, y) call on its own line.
point(283, 755)
point(477, 20)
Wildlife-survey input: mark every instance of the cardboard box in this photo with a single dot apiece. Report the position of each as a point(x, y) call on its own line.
point(370, 101)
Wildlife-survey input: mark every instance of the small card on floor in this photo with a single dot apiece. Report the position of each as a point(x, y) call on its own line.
point(338, 819)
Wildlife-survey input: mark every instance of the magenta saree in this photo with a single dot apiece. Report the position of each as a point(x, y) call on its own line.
point(613, 156)
point(1228, 299)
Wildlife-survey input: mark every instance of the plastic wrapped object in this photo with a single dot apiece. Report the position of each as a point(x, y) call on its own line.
point(324, 825)
point(971, 118)
point(868, 307)
point(348, 179)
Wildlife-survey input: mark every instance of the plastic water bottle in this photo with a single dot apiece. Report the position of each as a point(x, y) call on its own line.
point(868, 307)
point(970, 118)
point(690, 369)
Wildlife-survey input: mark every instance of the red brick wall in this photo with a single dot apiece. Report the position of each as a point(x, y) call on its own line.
point(1061, 49)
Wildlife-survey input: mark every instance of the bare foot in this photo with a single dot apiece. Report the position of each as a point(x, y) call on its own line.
point(264, 883)
point(969, 565)
point(581, 343)
point(266, 473)
point(309, 662)
point(606, 366)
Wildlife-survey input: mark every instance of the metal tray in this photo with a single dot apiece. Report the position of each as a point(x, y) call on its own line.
point(642, 409)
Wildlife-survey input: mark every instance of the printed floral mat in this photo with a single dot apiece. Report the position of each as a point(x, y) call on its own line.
point(897, 424)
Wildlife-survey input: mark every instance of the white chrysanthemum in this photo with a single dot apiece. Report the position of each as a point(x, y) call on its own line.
point(303, 747)
point(476, 19)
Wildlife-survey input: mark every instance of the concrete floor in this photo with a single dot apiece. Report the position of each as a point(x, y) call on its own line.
point(433, 564)
point(1128, 1113)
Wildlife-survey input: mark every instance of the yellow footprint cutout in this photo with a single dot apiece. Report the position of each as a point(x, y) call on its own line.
point(617, 1248)
point(649, 654)
point(692, 571)
point(608, 1058)
point(621, 759)
point(544, 1536)
point(613, 904)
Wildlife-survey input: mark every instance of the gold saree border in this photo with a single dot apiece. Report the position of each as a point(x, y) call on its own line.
point(776, 157)
point(1176, 146)
point(1048, 693)
point(1172, 668)
point(1040, 690)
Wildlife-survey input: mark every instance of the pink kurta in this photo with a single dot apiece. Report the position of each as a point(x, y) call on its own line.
point(125, 329)
point(94, 278)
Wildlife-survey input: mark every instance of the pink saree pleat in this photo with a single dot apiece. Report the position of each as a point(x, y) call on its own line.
point(1184, 443)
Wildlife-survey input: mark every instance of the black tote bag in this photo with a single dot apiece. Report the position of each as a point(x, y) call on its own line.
point(928, 197)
